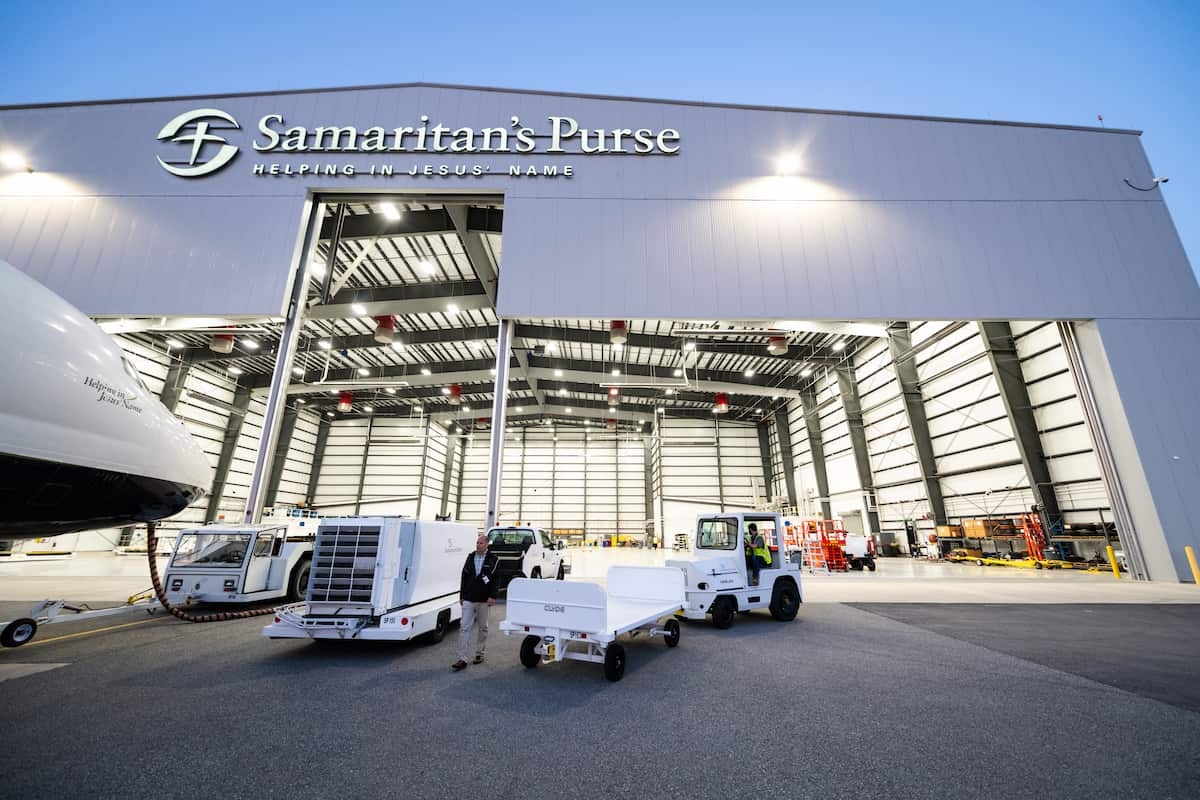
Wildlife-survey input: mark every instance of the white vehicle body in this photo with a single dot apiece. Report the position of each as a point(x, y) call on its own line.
point(83, 443)
point(718, 578)
point(523, 551)
point(379, 578)
point(238, 564)
point(860, 552)
point(554, 616)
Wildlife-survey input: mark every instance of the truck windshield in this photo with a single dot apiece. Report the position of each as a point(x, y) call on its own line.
point(211, 550)
point(717, 534)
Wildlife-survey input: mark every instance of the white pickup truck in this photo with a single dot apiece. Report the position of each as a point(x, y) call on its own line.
point(719, 581)
point(526, 552)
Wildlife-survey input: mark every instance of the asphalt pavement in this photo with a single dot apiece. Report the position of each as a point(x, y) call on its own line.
point(842, 703)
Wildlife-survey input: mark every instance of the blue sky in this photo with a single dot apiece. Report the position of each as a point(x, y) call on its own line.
point(1136, 62)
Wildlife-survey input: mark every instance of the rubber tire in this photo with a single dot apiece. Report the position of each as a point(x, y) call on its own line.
point(562, 572)
point(536, 573)
point(439, 630)
point(530, 657)
point(614, 662)
point(722, 611)
point(979, 562)
point(300, 573)
point(18, 632)
point(672, 635)
point(870, 564)
point(784, 608)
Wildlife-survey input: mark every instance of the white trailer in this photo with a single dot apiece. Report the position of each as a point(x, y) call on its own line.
point(238, 564)
point(379, 578)
point(554, 615)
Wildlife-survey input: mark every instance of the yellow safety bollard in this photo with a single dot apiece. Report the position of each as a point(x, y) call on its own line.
point(1191, 554)
point(1112, 559)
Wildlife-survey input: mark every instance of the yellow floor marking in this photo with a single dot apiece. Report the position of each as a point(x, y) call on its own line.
point(94, 630)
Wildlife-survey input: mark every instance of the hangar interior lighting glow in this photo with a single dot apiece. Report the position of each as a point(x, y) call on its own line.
point(787, 164)
point(11, 159)
point(358, 308)
point(174, 344)
point(390, 211)
point(250, 344)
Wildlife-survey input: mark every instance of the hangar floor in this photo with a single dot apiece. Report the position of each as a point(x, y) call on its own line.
point(870, 701)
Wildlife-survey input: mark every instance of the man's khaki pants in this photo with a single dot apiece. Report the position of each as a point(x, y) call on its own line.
point(474, 614)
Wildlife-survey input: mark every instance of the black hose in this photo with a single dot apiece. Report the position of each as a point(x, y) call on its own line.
point(221, 616)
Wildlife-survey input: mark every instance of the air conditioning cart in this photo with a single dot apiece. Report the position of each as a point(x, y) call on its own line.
point(582, 621)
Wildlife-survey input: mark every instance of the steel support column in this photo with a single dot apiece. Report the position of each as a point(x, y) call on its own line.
point(286, 428)
point(1006, 367)
point(233, 429)
point(448, 469)
point(462, 468)
point(424, 465)
point(900, 345)
point(764, 452)
point(648, 479)
point(281, 377)
point(362, 471)
point(816, 448)
point(499, 407)
point(314, 472)
point(720, 481)
point(852, 407)
point(177, 375)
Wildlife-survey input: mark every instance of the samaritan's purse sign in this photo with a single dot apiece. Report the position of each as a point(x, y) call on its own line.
point(203, 132)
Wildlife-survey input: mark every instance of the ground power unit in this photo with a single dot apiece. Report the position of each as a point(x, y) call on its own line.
point(379, 578)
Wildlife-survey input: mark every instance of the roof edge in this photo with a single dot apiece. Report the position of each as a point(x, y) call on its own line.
point(578, 95)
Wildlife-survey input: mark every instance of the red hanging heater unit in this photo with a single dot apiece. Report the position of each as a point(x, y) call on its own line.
point(345, 401)
point(617, 333)
point(455, 396)
point(221, 343)
point(385, 329)
point(721, 403)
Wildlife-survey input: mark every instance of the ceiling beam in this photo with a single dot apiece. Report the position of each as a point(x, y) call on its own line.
point(409, 298)
point(654, 341)
point(697, 380)
point(413, 223)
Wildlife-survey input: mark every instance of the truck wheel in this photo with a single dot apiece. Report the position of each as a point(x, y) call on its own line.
point(722, 613)
point(870, 562)
point(614, 662)
point(298, 583)
point(529, 653)
point(18, 632)
point(537, 573)
point(979, 562)
point(672, 628)
point(785, 601)
point(439, 630)
point(562, 572)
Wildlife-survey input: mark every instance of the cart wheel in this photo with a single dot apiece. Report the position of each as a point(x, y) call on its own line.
point(870, 562)
point(785, 602)
point(722, 612)
point(672, 637)
point(439, 630)
point(562, 572)
point(979, 562)
point(529, 653)
point(18, 632)
point(614, 662)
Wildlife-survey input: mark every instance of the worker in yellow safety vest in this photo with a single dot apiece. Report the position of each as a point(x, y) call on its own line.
point(757, 555)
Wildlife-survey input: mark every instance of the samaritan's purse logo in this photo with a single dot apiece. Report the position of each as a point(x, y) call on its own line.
point(195, 128)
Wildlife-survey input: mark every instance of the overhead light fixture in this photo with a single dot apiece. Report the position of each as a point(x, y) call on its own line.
point(316, 268)
point(669, 392)
point(451, 308)
point(616, 373)
point(518, 409)
point(329, 413)
point(174, 344)
point(838, 347)
point(551, 347)
point(297, 371)
point(397, 345)
point(446, 390)
point(493, 371)
point(562, 392)
point(568, 410)
point(558, 373)
point(390, 390)
point(689, 346)
point(334, 391)
point(466, 408)
point(617, 347)
point(418, 409)
point(300, 401)
point(425, 371)
point(235, 371)
point(787, 164)
point(804, 373)
point(11, 159)
point(359, 309)
point(390, 211)
point(363, 371)
point(678, 373)
point(426, 266)
point(368, 409)
point(749, 373)
point(250, 344)
point(324, 344)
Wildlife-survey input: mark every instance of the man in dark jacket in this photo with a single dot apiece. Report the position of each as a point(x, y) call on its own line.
point(477, 593)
